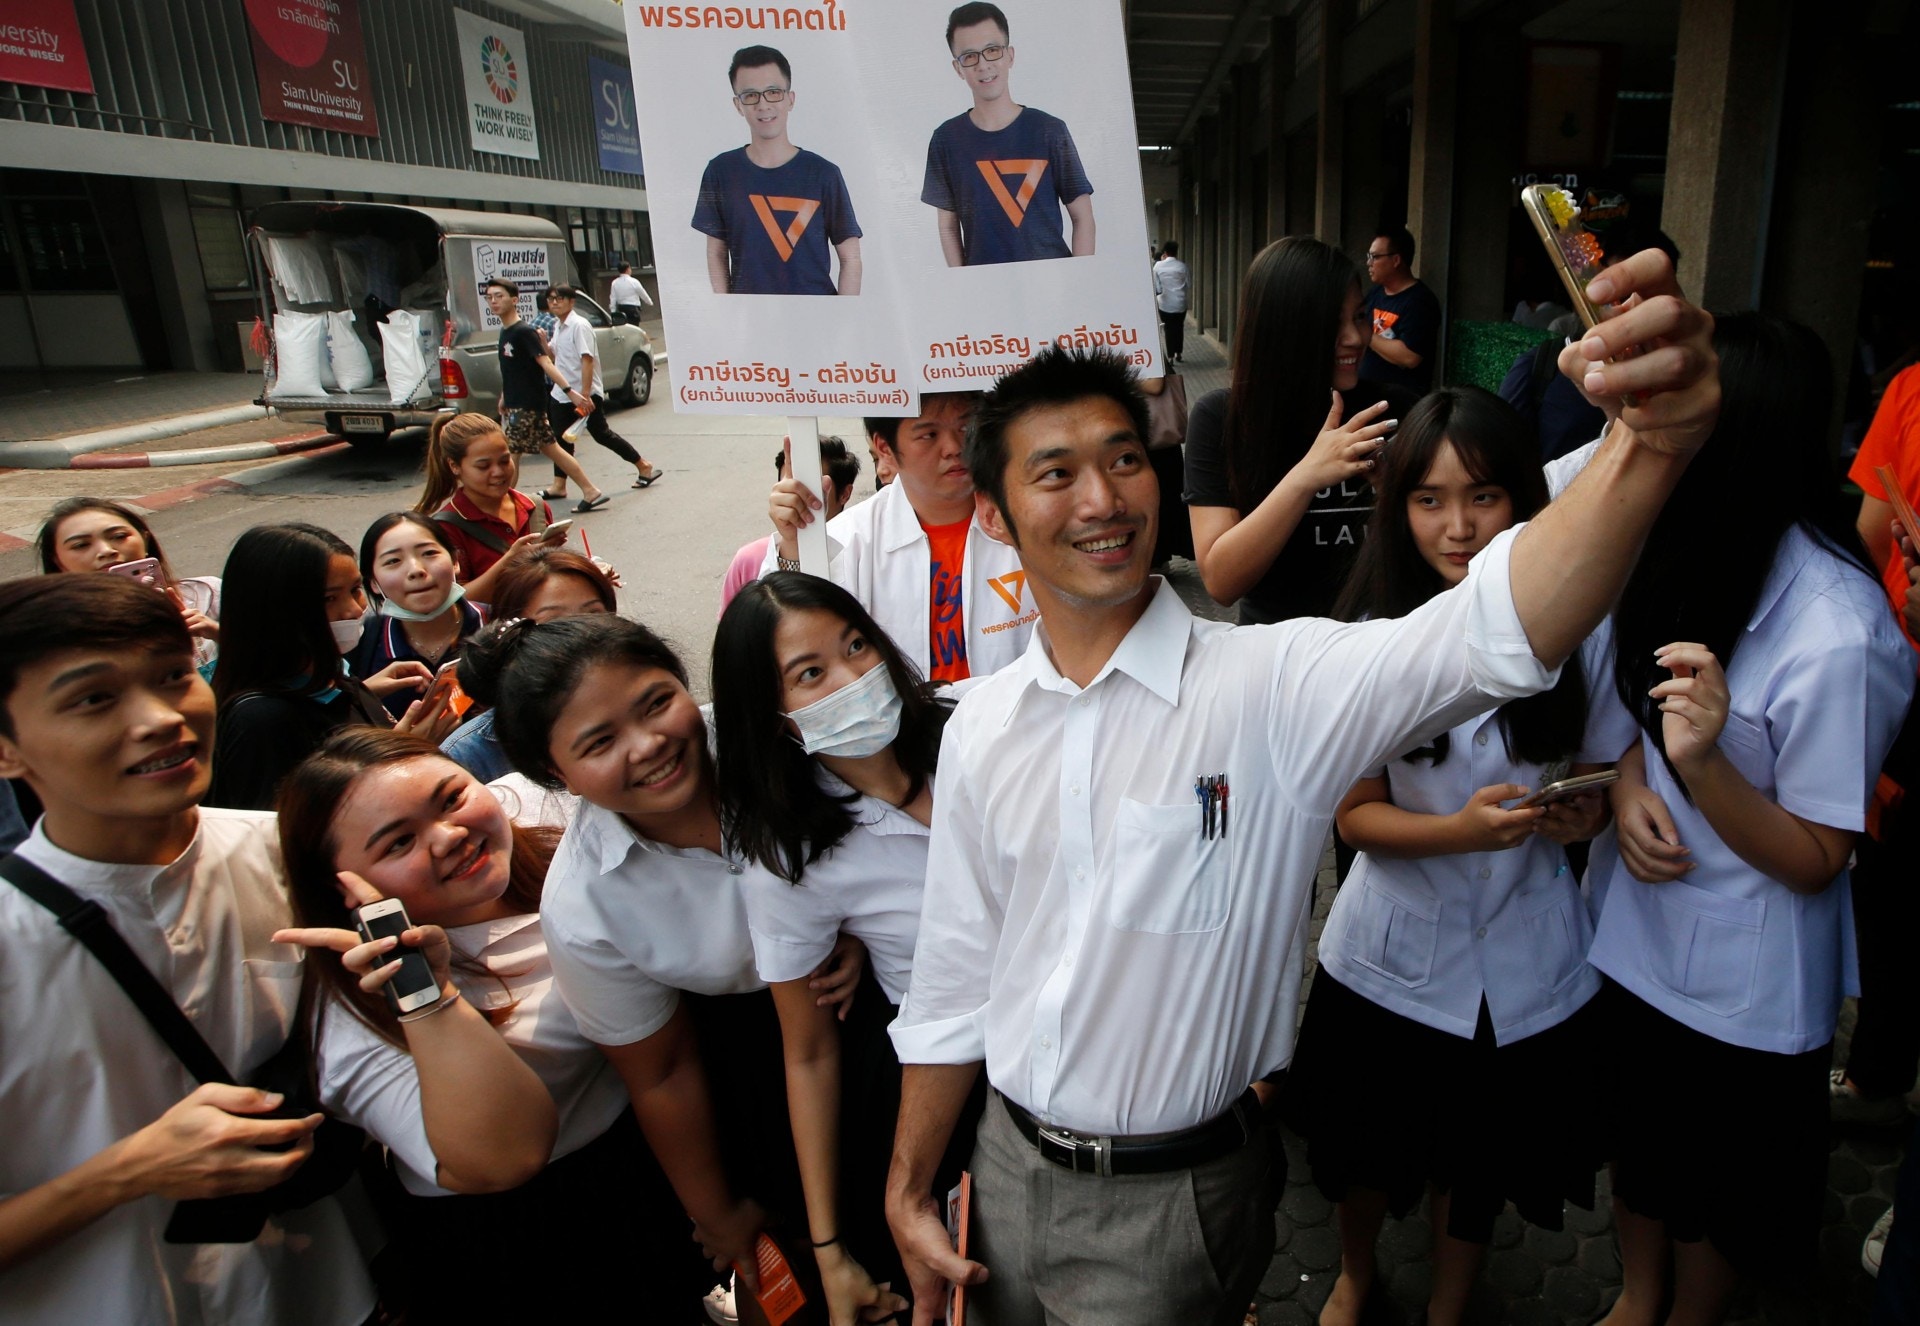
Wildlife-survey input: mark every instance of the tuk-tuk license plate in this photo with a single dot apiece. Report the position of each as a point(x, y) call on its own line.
point(363, 423)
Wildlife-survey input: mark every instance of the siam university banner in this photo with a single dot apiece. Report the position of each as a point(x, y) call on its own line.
point(849, 210)
point(311, 63)
point(40, 46)
point(499, 88)
point(614, 128)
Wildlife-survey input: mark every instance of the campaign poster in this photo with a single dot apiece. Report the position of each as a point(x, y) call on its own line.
point(524, 263)
point(978, 200)
point(614, 128)
point(311, 63)
point(761, 179)
point(499, 87)
point(1015, 209)
point(40, 45)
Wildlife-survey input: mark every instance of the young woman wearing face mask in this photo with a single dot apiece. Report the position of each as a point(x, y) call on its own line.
point(1456, 949)
point(644, 915)
point(293, 608)
point(827, 743)
point(96, 533)
point(408, 563)
point(495, 1112)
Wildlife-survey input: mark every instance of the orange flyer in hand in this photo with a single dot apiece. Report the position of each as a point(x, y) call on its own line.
point(959, 1215)
point(1902, 508)
point(779, 1294)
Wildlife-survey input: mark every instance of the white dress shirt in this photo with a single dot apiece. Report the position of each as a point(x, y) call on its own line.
point(1428, 937)
point(1119, 973)
point(628, 290)
point(81, 1069)
point(630, 923)
point(1170, 285)
point(882, 556)
point(870, 885)
point(372, 1083)
point(572, 340)
point(1819, 686)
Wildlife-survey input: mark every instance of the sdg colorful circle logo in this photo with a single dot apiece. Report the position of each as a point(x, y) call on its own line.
point(503, 76)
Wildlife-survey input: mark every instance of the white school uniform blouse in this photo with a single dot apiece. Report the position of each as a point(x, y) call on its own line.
point(1819, 686)
point(373, 1084)
point(870, 885)
point(81, 1069)
point(630, 923)
point(882, 557)
point(1119, 973)
point(1428, 937)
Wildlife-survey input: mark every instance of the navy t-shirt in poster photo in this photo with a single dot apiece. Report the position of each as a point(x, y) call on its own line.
point(1006, 186)
point(1412, 317)
point(779, 224)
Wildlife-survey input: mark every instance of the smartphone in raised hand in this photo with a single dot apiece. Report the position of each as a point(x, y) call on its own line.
point(413, 986)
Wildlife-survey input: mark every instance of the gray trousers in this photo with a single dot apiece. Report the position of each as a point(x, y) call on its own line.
point(1067, 1249)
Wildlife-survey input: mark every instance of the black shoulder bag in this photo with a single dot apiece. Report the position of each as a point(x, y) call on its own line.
point(238, 1218)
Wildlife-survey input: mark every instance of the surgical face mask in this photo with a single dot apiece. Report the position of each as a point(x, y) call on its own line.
point(347, 634)
point(861, 718)
point(388, 608)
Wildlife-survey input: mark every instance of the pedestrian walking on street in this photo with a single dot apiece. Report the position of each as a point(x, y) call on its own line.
point(525, 370)
point(1170, 280)
point(628, 296)
point(573, 354)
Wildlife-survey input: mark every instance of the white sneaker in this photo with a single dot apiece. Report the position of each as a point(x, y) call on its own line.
point(1847, 1104)
point(1876, 1245)
point(720, 1308)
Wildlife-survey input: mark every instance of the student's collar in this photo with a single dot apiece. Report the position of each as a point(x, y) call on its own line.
point(1153, 653)
point(1794, 550)
point(85, 875)
point(899, 525)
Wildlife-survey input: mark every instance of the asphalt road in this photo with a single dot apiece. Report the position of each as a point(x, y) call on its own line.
point(671, 543)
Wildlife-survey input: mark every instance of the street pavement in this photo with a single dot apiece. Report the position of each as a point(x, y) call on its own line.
point(672, 544)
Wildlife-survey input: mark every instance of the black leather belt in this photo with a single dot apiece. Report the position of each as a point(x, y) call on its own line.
point(1154, 1153)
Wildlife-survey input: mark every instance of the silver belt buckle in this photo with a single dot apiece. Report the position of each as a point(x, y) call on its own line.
point(1094, 1151)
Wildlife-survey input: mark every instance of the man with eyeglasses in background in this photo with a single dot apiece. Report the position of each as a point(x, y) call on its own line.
point(1406, 315)
point(999, 175)
point(774, 214)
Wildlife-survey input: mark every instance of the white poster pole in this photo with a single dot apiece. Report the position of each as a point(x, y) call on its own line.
point(804, 434)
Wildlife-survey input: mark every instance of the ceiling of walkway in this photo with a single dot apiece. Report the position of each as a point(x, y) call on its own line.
point(1181, 52)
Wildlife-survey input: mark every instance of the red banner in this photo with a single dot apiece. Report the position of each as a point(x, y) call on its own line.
point(40, 45)
point(312, 64)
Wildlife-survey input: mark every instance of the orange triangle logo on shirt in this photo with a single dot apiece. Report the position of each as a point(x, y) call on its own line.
point(784, 240)
point(998, 172)
point(1010, 587)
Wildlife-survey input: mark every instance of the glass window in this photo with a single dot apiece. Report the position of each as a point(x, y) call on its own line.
point(592, 312)
point(223, 252)
point(62, 245)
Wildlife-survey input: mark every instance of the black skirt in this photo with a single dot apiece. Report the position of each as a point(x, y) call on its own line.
point(1718, 1141)
point(1392, 1105)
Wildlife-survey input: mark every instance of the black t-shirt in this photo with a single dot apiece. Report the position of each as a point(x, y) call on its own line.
point(263, 736)
point(1412, 316)
point(1307, 575)
point(522, 385)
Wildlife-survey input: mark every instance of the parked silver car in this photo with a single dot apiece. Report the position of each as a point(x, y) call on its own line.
point(368, 259)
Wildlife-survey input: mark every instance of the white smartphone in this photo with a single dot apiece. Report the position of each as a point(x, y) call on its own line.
point(557, 531)
point(143, 569)
point(413, 985)
point(1569, 787)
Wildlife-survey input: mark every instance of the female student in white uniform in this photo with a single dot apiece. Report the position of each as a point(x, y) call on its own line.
point(827, 741)
point(1757, 685)
point(496, 1113)
point(1446, 1041)
point(644, 915)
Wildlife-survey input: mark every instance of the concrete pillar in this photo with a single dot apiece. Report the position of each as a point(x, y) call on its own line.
point(1248, 128)
point(1205, 166)
point(1488, 144)
point(1430, 167)
point(1279, 79)
point(1728, 88)
point(1330, 149)
point(179, 283)
point(1829, 150)
point(1360, 209)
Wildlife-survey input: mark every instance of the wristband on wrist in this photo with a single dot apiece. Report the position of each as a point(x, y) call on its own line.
point(826, 1243)
point(446, 997)
point(786, 563)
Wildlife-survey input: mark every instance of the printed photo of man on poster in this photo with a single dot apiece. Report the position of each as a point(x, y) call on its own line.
point(774, 214)
point(999, 175)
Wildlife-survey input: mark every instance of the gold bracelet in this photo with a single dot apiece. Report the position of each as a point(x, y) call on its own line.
point(445, 999)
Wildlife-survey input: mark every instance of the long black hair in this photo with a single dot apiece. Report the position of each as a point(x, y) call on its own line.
point(274, 635)
point(537, 666)
point(772, 807)
point(1765, 470)
point(370, 542)
point(1290, 307)
point(1390, 578)
point(47, 542)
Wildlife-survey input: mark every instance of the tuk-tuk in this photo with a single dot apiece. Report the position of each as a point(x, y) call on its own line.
point(395, 296)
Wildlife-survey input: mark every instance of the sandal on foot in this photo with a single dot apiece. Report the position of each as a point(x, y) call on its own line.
point(585, 505)
point(547, 494)
point(647, 480)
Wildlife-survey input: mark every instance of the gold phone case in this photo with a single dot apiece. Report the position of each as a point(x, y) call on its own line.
point(1576, 253)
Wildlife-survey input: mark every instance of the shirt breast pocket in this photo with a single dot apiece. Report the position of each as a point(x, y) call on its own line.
point(1167, 878)
point(1397, 933)
point(1748, 749)
point(274, 990)
point(1709, 951)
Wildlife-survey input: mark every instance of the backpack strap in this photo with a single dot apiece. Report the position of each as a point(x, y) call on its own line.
point(472, 529)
